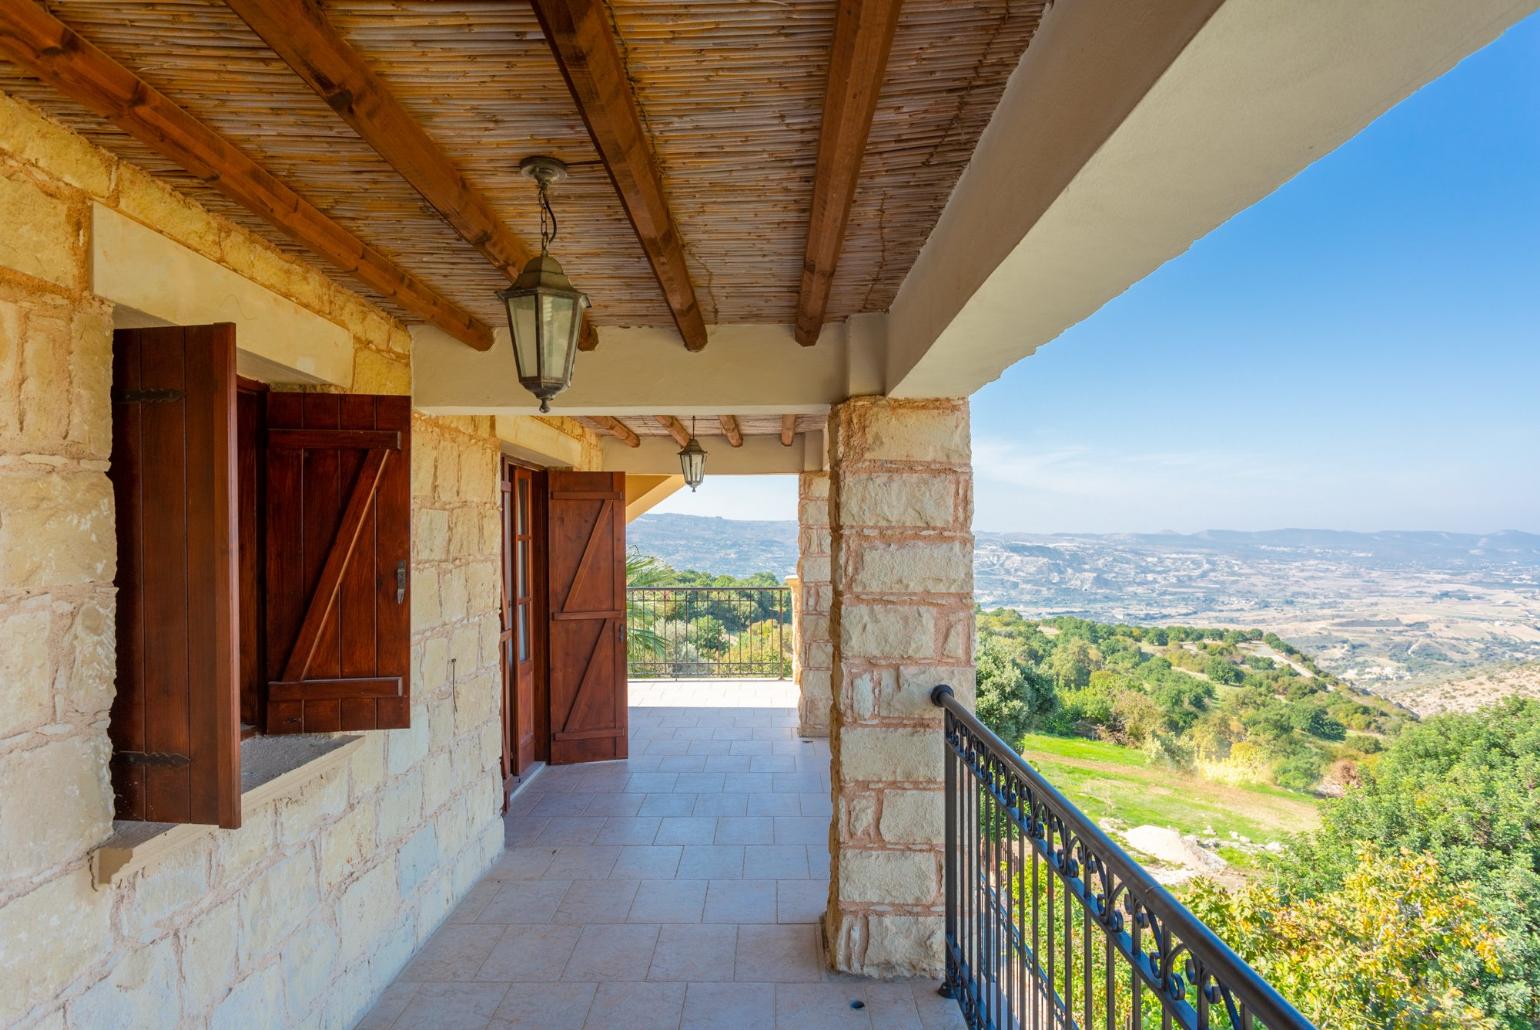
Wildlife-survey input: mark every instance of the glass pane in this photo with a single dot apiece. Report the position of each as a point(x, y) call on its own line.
point(556, 331)
point(524, 340)
point(522, 507)
point(520, 559)
point(523, 623)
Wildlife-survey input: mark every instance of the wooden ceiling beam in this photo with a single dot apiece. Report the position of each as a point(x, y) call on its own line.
point(299, 32)
point(730, 429)
point(675, 428)
point(55, 53)
point(580, 34)
point(858, 59)
point(616, 428)
point(788, 429)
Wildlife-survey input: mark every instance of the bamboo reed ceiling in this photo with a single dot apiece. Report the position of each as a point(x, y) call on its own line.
point(731, 94)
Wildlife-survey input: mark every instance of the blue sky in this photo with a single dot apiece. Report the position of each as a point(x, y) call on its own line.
point(1360, 350)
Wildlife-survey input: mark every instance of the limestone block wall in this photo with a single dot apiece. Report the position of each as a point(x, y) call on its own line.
point(901, 506)
point(305, 914)
point(815, 651)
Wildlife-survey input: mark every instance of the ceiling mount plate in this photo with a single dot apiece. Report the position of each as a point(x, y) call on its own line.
point(544, 170)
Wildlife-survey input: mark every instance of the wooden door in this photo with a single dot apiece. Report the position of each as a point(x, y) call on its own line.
point(338, 548)
point(174, 720)
point(518, 652)
point(586, 559)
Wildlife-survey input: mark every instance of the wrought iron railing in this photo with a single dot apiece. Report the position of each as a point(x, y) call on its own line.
point(708, 632)
point(1050, 924)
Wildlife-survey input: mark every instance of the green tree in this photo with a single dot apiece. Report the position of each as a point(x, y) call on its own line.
point(1379, 951)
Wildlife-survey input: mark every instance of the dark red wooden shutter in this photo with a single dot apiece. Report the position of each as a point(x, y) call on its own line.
point(338, 551)
point(586, 517)
point(174, 728)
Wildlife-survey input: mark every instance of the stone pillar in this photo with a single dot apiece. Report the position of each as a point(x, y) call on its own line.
point(901, 510)
point(815, 652)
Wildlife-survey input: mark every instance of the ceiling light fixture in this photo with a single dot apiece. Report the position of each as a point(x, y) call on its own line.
point(545, 311)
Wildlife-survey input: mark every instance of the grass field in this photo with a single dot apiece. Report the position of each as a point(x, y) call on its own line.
point(1112, 782)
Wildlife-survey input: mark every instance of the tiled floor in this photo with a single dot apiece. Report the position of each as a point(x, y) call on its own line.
point(680, 888)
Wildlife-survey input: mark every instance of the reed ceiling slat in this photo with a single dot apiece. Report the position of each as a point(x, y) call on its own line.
point(731, 94)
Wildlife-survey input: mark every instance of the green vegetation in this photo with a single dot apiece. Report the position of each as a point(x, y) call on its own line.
point(1110, 781)
point(1236, 706)
point(685, 633)
point(1417, 902)
point(1414, 904)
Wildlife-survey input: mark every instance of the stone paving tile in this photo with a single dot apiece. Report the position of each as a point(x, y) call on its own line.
point(680, 887)
point(637, 1006)
point(524, 901)
point(775, 862)
point(546, 1006)
point(711, 862)
point(740, 901)
point(452, 1006)
point(530, 954)
point(453, 953)
point(596, 901)
point(779, 954)
point(668, 901)
point(800, 901)
point(711, 1006)
point(647, 862)
point(694, 952)
point(608, 953)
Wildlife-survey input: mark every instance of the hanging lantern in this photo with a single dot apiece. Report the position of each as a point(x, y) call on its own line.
point(545, 311)
point(692, 460)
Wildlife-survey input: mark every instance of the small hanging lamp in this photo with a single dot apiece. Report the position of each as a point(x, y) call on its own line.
point(545, 311)
point(692, 459)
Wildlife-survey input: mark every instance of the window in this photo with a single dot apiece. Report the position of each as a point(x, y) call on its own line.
point(263, 545)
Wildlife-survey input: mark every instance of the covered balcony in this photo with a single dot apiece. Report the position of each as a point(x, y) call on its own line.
point(312, 618)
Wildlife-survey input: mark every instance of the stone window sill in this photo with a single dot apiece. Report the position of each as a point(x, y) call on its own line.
point(271, 768)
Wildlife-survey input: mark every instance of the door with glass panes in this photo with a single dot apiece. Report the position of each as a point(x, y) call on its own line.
point(520, 653)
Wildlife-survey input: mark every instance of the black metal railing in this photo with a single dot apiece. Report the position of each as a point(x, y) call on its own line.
point(1050, 924)
point(708, 632)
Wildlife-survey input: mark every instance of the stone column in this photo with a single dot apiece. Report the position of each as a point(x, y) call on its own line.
point(815, 652)
point(901, 510)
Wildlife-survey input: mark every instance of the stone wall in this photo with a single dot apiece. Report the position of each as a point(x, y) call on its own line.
point(815, 651)
point(901, 505)
point(308, 911)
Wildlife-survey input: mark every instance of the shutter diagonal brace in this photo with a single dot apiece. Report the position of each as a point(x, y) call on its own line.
point(343, 545)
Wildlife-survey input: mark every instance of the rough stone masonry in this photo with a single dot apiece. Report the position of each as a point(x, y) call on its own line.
point(901, 615)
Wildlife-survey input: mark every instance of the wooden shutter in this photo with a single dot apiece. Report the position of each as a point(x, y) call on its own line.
point(338, 553)
point(174, 729)
point(586, 519)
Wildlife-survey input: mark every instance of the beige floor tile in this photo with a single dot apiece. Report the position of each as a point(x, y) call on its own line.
point(524, 901)
point(647, 862)
point(668, 901)
point(801, 901)
point(778, 954)
point(455, 952)
point(740, 901)
point(530, 954)
point(637, 1006)
point(457, 1006)
point(610, 953)
point(694, 952)
point(712, 1006)
point(596, 901)
point(545, 1006)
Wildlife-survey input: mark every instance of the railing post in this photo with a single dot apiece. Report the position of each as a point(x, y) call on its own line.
point(948, 988)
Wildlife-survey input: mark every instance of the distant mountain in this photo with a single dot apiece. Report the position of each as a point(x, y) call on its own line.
point(1386, 609)
point(730, 547)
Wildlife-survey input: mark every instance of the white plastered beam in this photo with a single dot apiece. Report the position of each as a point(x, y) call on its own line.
point(1128, 131)
point(744, 370)
point(155, 280)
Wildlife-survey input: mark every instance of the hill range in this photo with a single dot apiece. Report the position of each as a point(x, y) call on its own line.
point(1389, 611)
